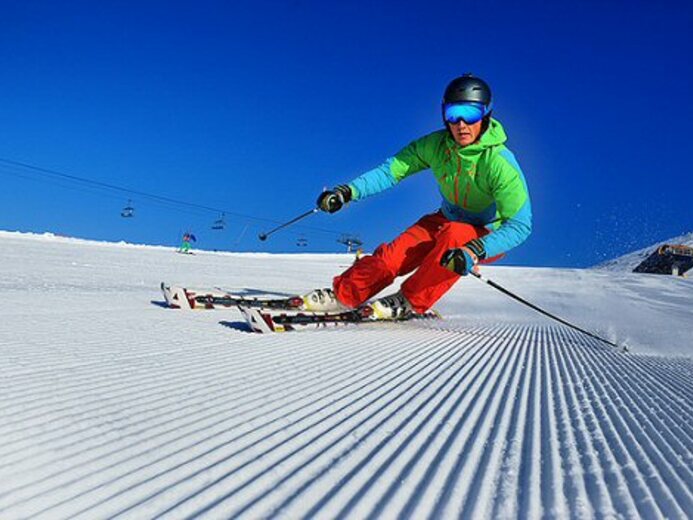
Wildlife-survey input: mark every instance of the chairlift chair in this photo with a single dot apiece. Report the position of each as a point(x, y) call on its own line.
point(220, 223)
point(128, 211)
point(301, 241)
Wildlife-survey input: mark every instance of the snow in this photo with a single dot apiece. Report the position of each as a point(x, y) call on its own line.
point(113, 406)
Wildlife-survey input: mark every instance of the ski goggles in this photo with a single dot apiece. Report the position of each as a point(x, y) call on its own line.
point(470, 113)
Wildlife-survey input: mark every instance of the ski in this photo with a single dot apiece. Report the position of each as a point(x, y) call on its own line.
point(265, 320)
point(191, 299)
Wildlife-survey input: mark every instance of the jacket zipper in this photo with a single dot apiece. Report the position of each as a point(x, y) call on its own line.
point(466, 195)
point(457, 181)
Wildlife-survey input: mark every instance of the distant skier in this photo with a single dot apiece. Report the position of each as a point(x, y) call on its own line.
point(485, 210)
point(186, 243)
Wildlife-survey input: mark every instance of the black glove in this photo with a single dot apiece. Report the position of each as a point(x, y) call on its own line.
point(333, 200)
point(463, 260)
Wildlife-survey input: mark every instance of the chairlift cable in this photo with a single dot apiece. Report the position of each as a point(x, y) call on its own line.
point(162, 200)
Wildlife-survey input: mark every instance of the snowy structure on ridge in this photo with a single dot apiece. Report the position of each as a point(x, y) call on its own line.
point(667, 259)
point(631, 261)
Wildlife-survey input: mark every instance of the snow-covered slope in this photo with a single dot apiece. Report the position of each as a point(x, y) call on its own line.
point(112, 406)
point(627, 263)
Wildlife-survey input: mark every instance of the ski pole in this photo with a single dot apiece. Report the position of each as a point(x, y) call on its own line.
point(546, 313)
point(263, 236)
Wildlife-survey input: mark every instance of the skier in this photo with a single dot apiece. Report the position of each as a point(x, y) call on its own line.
point(185, 244)
point(485, 210)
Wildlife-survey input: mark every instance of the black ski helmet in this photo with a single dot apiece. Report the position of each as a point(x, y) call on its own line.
point(471, 89)
point(468, 88)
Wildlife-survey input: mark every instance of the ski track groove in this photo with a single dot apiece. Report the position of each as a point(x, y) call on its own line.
point(554, 483)
point(67, 400)
point(650, 404)
point(675, 489)
point(677, 380)
point(576, 487)
point(71, 390)
point(194, 422)
point(467, 362)
point(352, 450)
point(667, 435)
point(432, 420)
point(632, 493)
point(584, 425)
point(506, 504)
point(571, 485)
point(425, 496)
point(662, 399)
point(324, 364)
point(648, 457)
point(489, 471)
point(529, 498)
point(221, 446)
point(458, 496)
point(120, 401)
point(321, 436)
point(665, 382)
point(216, 354)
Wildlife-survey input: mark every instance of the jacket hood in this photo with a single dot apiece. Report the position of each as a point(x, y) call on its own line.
point(493, 136)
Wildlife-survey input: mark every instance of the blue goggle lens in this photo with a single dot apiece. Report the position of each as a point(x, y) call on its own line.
point(470, 113)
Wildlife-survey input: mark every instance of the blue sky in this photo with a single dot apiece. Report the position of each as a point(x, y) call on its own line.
point(254, 107)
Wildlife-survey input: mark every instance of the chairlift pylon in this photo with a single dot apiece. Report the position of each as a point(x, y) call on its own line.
point(128, 211)
point(351, 241)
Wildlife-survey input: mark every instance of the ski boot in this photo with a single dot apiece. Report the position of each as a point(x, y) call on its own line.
point(392, 307)
point(323, 300)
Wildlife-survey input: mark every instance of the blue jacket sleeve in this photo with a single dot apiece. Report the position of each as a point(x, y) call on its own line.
point(511, 233)
point(373, 181)
point(408, 161)
point(514, 207)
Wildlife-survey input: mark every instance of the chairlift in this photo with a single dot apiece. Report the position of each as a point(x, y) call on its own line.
point(220, 223)
point(351, 241)
point(128, 211)
point(301, 241)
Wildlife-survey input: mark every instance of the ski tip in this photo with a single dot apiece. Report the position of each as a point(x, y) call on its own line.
point(166, 292)
point(175, 297)
point(257, 321)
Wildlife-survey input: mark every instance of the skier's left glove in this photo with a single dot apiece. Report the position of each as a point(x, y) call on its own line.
point(332, 200)
point(463, 260)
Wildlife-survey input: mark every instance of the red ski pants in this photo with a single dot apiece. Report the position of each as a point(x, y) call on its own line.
point(420, 246)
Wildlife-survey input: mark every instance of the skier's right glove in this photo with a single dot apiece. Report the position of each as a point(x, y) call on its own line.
point(333, 200)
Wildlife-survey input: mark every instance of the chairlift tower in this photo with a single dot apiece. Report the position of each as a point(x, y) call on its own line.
point(350, 241)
